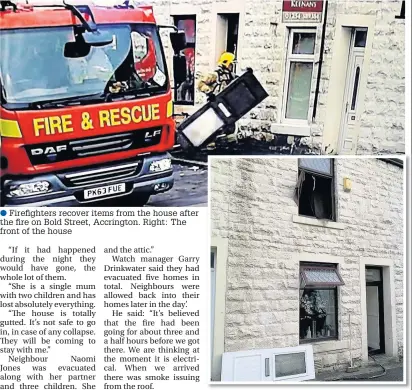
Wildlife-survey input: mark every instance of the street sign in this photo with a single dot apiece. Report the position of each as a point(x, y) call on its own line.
point(303, 11)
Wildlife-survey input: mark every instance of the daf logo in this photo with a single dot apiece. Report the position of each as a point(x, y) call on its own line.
point(48, 150)
point(153, 133)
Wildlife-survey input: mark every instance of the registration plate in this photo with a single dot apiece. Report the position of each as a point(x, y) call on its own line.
point(105, 191)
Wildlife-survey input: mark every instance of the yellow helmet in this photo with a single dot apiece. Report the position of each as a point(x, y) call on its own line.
point(226, 59)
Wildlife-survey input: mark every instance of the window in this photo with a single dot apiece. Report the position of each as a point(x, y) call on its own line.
point(185, 91)
point(355, 89)
point(318, 301)
point(133, 60)
point(299, 69)
point(314, 191)
point(290, 364)
point(402, 13)
point(360, 37)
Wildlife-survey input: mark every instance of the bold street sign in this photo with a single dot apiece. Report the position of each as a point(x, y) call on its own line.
point(305, 11)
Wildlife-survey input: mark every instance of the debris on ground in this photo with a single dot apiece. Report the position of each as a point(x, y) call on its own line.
point(247, 143)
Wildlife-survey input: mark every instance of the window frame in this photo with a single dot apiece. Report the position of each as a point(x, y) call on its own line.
point(331, 176)
point(176, 20)
point(335, 266)
point(290, 57)
point(402, 12)
point(322, 285)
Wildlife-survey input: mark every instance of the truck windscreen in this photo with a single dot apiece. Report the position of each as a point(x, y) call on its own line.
point(34, 68)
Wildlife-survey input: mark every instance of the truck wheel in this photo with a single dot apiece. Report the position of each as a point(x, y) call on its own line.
point(136, 200)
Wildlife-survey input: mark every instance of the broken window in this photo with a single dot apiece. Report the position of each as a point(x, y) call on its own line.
point(314, 192)
point(318, 301)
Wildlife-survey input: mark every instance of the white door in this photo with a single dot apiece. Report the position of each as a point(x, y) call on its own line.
point(372, 309)
point(354, 75)
point(246, 366)
point(213, 297)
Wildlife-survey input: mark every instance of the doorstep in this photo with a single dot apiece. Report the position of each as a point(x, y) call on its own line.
point(372, 368)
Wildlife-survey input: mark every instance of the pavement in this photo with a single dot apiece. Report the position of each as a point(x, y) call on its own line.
point(379, 368)
point(392, 375)
point(190, 188)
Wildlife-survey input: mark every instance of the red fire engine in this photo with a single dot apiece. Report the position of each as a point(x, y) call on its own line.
point(86, 105)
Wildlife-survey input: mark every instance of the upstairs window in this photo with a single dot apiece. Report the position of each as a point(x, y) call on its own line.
point(314, 192)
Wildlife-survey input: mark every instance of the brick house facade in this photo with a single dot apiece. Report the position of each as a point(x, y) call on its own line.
point(373, 66)
point(262, 241)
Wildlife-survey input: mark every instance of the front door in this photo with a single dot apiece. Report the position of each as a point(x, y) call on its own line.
point(374, 309)
point(353, 78)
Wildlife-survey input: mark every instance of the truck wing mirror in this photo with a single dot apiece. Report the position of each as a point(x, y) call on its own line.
point(178, 40)
point(179, 69)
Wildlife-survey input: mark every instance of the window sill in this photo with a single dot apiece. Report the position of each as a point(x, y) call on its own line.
point(318, 222)
point(302, 130)
point(319, 340)
point(185, 108)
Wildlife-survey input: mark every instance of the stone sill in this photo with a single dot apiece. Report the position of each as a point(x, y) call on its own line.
point(289, 129)
point(318, 222)
point(189, 109)
point(328, 346)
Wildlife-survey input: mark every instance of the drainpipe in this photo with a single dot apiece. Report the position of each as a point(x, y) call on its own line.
point(322, 49)
point(351, 368)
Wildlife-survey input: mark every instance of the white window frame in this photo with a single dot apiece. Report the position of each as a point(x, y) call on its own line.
point(269, 355)
point(310, 58)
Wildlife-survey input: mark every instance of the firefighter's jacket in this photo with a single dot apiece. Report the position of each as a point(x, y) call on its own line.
point(215, 82)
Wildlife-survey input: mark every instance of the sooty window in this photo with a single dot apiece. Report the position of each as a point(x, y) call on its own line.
point(314, 191)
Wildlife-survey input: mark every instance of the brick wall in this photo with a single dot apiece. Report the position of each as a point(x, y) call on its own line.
point(263, 44)
point(252, 205)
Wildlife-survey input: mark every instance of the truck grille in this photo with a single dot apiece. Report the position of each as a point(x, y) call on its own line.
point(101, 175)
point(93, 146)
point(99, 145)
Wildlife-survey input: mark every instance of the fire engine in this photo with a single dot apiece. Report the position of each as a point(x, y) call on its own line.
point(86, 104)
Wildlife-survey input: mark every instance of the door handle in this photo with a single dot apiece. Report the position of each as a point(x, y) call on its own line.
point(347, 105)
point(267, 368)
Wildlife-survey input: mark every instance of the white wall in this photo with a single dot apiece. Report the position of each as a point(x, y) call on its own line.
point(253, 207)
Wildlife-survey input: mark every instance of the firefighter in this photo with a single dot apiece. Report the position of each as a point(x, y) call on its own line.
point(215, 82)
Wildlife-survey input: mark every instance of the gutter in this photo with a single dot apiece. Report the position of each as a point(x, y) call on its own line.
point(393, 161)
